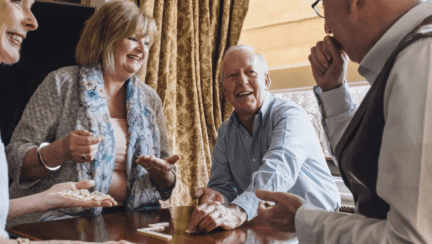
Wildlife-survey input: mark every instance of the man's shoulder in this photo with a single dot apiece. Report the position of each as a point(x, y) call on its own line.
point(284, 107)
point(226, 127)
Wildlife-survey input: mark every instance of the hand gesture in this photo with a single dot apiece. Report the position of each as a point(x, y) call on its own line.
point(81, 146)
point(207, 195)
point(157, 166)
point(211, 215)
point(281, 215)
point(54, 200)
point(329, 63)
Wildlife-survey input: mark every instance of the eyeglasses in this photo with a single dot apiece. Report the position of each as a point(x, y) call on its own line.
point(319, 8)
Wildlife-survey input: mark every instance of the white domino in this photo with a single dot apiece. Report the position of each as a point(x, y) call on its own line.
point(156, 234)
point(190, 231)
point(164, 224)
point(155, 228)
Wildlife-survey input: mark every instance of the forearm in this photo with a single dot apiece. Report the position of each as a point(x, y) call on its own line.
point(163, 181)
point(53, 155)
point(27, 205)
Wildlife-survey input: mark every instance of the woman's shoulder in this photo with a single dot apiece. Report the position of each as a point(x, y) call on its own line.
point(68, 74)
point(149, 92)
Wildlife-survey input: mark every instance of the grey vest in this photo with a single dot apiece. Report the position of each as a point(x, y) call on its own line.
point(358, 150)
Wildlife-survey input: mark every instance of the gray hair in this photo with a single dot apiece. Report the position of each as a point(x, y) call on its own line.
point(244, 48)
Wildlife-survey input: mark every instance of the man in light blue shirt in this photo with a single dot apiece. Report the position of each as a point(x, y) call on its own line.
point(267, 143)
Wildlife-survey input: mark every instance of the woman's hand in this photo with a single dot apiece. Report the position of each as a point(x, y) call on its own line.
point(81, 146)
point(156, 166)
point(160, 170)
point(53, 200)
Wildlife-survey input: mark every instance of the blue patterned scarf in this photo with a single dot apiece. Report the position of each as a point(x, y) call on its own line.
point(143, 138)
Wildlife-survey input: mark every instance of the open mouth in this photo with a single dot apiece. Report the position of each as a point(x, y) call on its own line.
point(15, 38)
point(243, 94)
point(134, 57)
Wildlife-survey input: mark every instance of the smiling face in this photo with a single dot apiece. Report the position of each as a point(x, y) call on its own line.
point(130, 54)
point(16, 19)
point(245, 83)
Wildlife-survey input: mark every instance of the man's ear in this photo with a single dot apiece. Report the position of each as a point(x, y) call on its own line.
point(267, 81)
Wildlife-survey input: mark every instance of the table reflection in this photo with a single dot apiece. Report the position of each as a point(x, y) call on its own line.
point(124, 225)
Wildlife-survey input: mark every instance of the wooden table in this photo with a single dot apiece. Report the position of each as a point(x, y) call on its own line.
point(123, 226)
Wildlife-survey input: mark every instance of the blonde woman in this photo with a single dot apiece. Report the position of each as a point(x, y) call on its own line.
point(97, 121)
point(16, 19)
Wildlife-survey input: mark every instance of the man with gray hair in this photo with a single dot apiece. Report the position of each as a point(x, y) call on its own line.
point(267, 143)
point(383, 146)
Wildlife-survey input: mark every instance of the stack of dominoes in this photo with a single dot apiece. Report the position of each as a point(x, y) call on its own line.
point(85, 195)
point(151, 231)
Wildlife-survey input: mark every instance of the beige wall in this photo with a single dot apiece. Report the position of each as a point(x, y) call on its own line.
point(284, 32)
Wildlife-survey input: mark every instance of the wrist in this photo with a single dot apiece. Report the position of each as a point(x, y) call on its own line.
point(241, 215)
point(65, 148)
point(332, 87)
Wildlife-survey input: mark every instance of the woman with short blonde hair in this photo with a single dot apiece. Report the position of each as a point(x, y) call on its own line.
point(98, 121)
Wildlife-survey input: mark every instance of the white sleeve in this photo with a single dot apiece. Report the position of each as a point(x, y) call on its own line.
point(404, 166)
point(337, 109)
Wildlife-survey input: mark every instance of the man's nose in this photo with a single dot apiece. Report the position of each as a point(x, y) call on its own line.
point(243, 79)
point(327, 29)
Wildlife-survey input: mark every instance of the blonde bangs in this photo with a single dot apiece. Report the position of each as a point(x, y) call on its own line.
point(113, 21)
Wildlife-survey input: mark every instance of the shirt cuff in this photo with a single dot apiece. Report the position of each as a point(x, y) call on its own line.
point(248, 201)
point(336, 101)
point(305, 221)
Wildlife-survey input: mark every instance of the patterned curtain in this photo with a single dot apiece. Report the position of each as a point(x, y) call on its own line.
point(183, 67)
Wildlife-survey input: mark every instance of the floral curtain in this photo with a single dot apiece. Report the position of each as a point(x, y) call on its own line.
point(183, 67)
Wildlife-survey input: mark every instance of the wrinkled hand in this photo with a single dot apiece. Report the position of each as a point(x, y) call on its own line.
point(156, 165)
point(207, 195)
point(329, 64)
point(209, 216)
point(281, 215)
point(54, 200)
point(81, 142)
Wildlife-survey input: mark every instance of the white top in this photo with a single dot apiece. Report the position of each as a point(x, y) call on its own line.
point(404, 164)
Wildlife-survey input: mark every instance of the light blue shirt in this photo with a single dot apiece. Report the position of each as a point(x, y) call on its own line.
point(4, 191)
point(282, 155)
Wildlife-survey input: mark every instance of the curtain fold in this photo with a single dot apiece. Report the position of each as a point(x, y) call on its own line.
point(184, 68)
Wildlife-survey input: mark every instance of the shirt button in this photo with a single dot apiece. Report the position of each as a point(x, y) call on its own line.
point(247, 136)
point(253, 160)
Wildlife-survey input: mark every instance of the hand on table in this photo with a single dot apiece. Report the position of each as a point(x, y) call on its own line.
point(208, 216)
point(157, 166)
point(54, 200)
point(281, 215)
point(81, 145)
point(207, 195)
point(329, 63)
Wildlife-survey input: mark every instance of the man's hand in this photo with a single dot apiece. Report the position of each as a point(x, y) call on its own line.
point(208, 195)
point(281, 215)
point(53, 200)
point(209, 216)
point(329, 64)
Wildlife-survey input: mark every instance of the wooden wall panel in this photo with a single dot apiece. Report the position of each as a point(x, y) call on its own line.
point(284, 32)
point(270, 12)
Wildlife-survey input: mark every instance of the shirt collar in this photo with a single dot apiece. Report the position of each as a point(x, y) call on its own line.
point(375, 59)
point(261, 113)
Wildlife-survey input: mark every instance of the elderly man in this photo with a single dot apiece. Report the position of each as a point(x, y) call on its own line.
point(383, 147)
point(267, 143)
